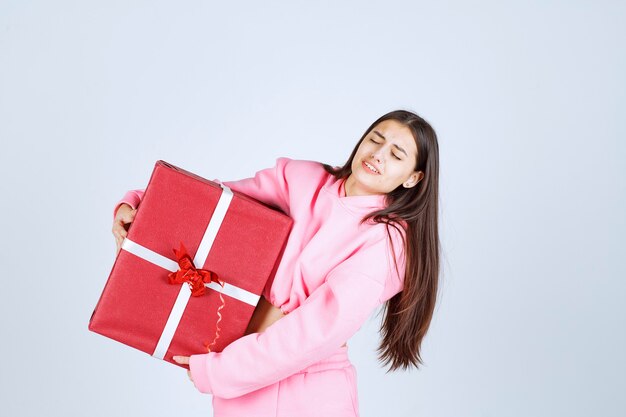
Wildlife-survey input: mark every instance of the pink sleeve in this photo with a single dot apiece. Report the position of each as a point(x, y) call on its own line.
point(310, 333)
point(268, 185)
point(132, 198)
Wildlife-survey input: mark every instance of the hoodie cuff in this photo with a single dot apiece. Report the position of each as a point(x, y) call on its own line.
point(199, 365)
point(130, 198)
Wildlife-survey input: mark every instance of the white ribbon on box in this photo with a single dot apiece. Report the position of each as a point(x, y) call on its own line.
point(185, 291)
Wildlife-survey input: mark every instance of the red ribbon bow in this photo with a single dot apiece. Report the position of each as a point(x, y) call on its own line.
point(188, 273)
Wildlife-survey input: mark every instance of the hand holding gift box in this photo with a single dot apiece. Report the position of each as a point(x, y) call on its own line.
point(124, 215)
point(190, 236)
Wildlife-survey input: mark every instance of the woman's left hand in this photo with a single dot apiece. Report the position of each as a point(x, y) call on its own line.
point(183, 360)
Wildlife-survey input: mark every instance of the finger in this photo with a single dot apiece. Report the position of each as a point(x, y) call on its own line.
point(118, 226)
point(128, 217)
point(181, 359)
point(119, 230)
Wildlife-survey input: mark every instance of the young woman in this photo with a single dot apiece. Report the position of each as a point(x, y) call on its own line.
point(364, 235)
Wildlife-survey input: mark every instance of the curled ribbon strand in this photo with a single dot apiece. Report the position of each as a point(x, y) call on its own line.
point(196, 278)
point(217, 324)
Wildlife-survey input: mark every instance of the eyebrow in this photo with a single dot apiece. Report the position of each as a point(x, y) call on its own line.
point(399, 148)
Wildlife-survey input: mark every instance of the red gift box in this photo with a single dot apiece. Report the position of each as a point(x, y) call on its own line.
point(238, 239)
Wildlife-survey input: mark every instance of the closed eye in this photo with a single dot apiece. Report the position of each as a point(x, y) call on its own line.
point(394, 155)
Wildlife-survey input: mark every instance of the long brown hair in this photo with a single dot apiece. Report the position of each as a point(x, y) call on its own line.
point(415, 211)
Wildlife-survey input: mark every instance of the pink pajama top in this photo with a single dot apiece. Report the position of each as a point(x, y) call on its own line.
point(333, 275)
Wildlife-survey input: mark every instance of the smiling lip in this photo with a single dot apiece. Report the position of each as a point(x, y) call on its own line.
point(369, 170)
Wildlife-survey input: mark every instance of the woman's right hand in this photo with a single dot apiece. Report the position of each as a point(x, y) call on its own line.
point(123, 218)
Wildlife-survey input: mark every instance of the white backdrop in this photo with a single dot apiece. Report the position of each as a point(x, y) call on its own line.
point(528, 100)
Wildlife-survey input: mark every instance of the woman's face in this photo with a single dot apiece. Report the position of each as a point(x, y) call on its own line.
point(389, 148)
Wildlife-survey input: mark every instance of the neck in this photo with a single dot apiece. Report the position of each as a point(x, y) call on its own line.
point(352, 188)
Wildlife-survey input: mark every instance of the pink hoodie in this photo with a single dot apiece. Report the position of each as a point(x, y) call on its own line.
point(333, 275)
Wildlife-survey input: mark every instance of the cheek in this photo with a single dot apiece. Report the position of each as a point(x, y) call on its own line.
point(363, 151)
point(397, 176)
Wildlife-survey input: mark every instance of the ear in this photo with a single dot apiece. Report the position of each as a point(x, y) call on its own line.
point(413, 179)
